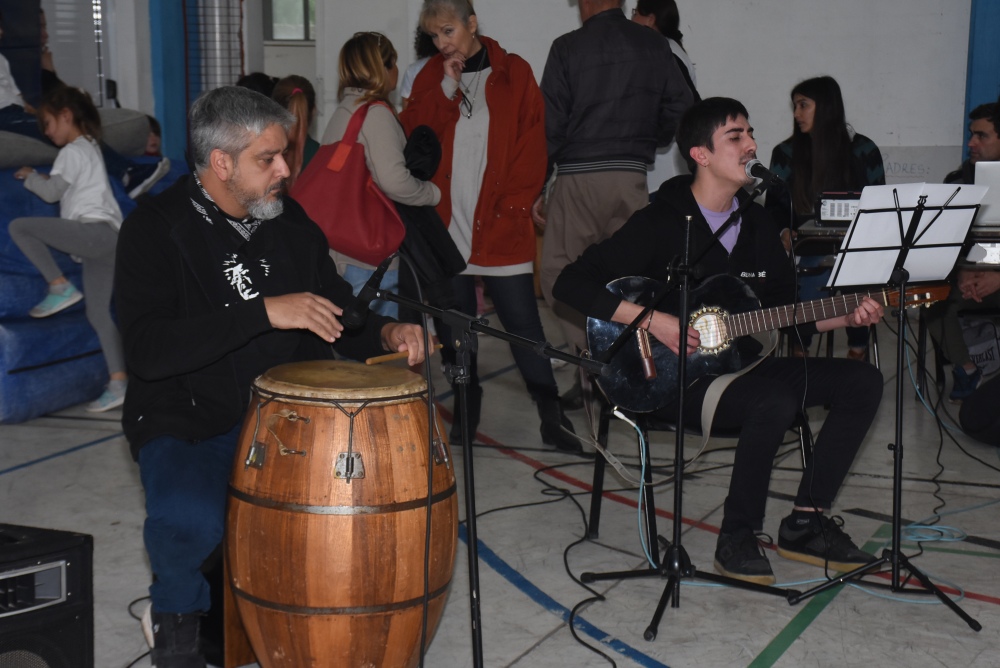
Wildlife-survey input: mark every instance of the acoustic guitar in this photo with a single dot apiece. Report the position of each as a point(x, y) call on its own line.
point(642, 375)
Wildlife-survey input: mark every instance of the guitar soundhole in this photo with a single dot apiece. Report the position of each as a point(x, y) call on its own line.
point(711, 325)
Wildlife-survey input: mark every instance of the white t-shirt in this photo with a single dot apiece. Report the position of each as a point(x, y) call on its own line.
point(406, 87)
point(9, 92)
point(89, 197)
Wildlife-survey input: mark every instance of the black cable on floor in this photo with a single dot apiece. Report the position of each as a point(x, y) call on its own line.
point(137, 618)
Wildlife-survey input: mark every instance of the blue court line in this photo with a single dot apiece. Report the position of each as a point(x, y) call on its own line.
point(506, 571)
point(59, 454)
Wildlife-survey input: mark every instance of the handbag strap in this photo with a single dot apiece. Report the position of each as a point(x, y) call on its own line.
point(350, 138)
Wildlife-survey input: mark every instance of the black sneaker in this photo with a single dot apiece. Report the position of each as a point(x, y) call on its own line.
point(965, 383)
point(176, 641)
point(821, 542)
point(739, 555)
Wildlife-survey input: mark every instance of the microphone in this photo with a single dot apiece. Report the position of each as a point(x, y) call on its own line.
point(356, 315)
point(645, 354)
point(755, 169)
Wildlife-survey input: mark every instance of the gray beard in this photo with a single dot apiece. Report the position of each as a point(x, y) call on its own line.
point(264, 208)
point(261, 208)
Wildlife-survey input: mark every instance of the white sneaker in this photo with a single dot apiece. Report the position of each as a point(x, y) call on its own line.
point(162, 167)
point(146, 621)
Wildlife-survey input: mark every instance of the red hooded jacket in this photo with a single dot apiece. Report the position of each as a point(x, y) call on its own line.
point(503, 232)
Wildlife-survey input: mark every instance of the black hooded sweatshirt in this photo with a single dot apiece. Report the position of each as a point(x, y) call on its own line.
point(653, 240)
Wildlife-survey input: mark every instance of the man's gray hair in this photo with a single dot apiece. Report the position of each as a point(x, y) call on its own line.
point(229, 119)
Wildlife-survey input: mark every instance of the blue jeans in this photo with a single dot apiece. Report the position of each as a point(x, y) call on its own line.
point(517, 308)
point(186, 487)
point(357, 277)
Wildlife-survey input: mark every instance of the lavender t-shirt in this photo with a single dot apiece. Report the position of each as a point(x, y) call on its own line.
point(717, 218)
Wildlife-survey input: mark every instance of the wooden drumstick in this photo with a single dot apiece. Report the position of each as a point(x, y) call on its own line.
point(395, 356)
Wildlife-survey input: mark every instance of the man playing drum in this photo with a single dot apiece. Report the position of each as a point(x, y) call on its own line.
point(219, 279)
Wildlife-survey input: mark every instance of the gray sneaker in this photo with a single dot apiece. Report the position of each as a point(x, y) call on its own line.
point(112, 397)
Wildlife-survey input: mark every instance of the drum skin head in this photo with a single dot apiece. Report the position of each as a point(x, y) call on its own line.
point(335, 379)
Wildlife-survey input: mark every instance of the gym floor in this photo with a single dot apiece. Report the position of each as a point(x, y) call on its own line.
point(72, 471)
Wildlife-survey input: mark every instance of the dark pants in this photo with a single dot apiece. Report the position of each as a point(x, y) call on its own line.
point(14, 118)
point(979, 416)
point(517, 308)
point(186, 488)
point(763, 404)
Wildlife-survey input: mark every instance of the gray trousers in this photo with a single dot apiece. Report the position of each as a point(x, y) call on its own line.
point(95, 244)
point(584, 209)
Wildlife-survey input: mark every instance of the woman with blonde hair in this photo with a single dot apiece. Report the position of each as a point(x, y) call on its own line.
point(485, 106)
point(368, 73)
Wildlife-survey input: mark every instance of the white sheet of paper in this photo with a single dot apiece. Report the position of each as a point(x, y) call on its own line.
point(882, 232)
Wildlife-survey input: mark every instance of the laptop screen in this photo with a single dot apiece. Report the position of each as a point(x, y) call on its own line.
point(837, 209)
point(988, 174)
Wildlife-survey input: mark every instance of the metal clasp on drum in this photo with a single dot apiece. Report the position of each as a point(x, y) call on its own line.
point(349, 466)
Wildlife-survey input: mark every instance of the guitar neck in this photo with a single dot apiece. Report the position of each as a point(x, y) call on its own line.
point(752, 322)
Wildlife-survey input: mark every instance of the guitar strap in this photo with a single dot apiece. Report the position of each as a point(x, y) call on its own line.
point(714, 393)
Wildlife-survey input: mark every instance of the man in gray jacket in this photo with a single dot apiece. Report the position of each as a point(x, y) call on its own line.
point(613, 95)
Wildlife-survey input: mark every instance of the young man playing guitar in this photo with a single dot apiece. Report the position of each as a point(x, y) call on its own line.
point(717, 140)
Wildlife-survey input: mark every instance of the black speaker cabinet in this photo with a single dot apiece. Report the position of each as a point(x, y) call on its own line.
point(46, 598)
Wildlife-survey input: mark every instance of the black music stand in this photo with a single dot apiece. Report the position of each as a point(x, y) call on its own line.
point(676, 565)
point(902, 233)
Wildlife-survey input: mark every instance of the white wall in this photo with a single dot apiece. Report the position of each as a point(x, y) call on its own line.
point(284, 58)
point(130, 61)
point(901, 63)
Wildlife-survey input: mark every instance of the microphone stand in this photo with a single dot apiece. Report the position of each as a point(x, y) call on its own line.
point(676, 563)
point(464, 328)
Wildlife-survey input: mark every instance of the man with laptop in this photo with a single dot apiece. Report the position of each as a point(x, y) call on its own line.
point(976, 289)
point(984, 142)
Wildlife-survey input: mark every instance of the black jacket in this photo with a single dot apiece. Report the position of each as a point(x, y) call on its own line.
point(612, 92)
point(653, 238)
point(964, 174)
point(191, 350)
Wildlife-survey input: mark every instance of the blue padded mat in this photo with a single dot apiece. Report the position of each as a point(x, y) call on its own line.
point(48, 364)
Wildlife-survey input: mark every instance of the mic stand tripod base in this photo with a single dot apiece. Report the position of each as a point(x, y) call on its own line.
point(897, 560)
point(677, 566)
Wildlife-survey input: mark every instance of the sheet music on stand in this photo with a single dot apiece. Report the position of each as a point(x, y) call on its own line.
point(882, 236)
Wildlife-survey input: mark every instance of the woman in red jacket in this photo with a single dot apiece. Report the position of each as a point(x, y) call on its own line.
point(487, 110)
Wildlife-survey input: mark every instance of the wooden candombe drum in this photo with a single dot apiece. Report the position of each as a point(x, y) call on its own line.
point(327, 517)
